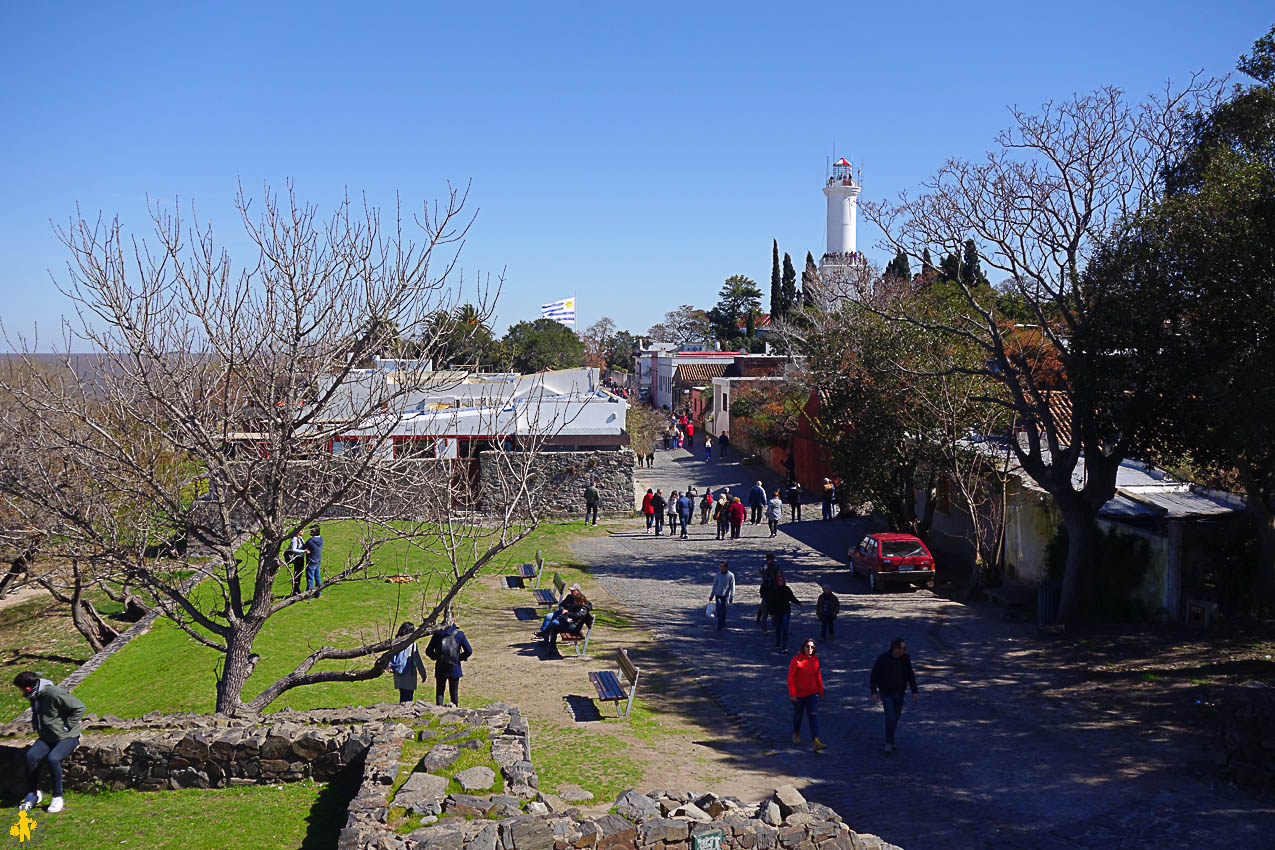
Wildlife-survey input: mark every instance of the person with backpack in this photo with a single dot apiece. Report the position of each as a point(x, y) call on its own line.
point(721, 513)
point(56, 715)
point(295, 557)
point(705, 505)
point(405, 664)
point(448, 648)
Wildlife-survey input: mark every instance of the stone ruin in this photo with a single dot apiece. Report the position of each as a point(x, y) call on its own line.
point(422, 802)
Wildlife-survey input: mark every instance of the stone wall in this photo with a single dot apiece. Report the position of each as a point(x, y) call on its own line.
point(560, 478)
point(660, 820)
point(167, 752)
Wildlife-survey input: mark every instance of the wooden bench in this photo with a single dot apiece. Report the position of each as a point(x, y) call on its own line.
point(531, 571)
point(550, 598)
point(581, 641)
point(611, 689)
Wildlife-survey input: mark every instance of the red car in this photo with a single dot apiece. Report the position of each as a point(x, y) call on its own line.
point(901, 558)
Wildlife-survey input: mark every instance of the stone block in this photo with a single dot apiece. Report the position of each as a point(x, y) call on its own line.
point(462, 805)
point(276, 748)
point(526, 833)
point(574, 794)
point(588, 834)
point(309, 747)
point(789, 800)
point(441, 756)
point(659, 830)
point(769, 813)
point(477, 778)
point(485, 839)
point(692, 812)
point(615, 833)
point(636, 807)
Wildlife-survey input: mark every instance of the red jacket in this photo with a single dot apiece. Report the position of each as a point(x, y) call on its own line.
point(646, 504)
point(737, 512)
point(804, 676)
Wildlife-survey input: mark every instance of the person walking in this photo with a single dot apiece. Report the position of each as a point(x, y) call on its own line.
point(647, 509)
point(794, 500)
point(779, 603)
point(650, 460)
point(705, 506)
point(774, 511)
point(405, 665)
point(685, 508)
point(756, 501)
point(672, 511)
point(723, 592)
point(690, 435)
point(724, 442)
point(55, 716)
point(768, 572)
point(708, 449)
point(826, 608)
point(313, 558)
point(790, 467)
point(657, 510)
point(891, 676)
point(737, 513)
point(721, 513)
point(829, 497)
point(591, 499)
point(805, 688)
point(448, 648)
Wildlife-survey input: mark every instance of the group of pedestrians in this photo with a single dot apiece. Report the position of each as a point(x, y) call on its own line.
point(892, 674)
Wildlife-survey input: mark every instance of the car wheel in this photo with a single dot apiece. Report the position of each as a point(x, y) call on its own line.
point(873, 584)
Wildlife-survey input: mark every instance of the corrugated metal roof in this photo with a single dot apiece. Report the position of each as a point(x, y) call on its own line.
point(1171, 501)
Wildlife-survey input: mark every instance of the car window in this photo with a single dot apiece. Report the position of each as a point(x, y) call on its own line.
point(902, 549)
point(863, 544)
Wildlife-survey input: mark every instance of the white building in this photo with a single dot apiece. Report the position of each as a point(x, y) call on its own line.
point(842, 192)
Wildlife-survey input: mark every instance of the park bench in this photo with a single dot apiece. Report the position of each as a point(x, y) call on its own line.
point(550, 598)
point(581, 641)
point(526, 572)
point(611, 689)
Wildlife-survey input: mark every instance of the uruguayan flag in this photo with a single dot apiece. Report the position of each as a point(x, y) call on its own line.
point(561, 311)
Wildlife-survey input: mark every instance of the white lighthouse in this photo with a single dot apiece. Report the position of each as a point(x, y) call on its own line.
point(842, 193)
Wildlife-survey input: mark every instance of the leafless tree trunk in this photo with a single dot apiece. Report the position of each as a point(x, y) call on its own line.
point(225, 410)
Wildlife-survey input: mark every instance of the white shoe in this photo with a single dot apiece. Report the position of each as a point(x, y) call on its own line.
point(31, 801)
point(55, 805)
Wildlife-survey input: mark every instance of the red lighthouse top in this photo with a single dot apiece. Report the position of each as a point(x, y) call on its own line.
point(841, 161)
point(842, 173)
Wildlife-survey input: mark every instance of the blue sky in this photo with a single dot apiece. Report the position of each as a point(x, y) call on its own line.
point(633, 155)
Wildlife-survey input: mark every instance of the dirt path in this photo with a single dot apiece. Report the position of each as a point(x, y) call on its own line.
point(17, 597)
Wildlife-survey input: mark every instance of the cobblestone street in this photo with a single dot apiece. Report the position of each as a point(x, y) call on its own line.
point(982, 760)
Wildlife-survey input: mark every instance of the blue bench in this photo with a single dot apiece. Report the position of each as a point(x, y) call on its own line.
point(527, 572)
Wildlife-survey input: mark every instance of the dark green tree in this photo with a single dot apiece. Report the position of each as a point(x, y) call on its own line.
point(542, 344)
point(927, 265)
point(789, 287)
point(738, 297)
point(776, 283)
point(950, 268)
point(900, 268)
point(971, 268)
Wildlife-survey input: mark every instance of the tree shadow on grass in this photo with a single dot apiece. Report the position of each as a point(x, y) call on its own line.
point(328, 814)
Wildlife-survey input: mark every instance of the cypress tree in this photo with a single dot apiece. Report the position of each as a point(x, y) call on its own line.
point(971, 269)
point(927, 264)
point(789, 286)
point(950, 268)
point(776, 286)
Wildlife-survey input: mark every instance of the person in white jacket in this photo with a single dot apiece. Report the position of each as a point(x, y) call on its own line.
point(723, 592)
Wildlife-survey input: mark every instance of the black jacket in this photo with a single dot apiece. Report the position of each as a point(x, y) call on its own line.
point(658, 503)
point(827, 606)
point(780, 600)
point(892, 675)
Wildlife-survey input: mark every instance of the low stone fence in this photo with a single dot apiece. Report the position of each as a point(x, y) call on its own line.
point(161, 752)
point(660, 820)
point(560, 479)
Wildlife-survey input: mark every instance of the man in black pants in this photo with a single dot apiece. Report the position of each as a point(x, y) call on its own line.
point(891, 676)
point(448, 648)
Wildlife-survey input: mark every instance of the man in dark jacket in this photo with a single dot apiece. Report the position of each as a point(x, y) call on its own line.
point(658, 504)
point(591, 499)
point(891, 676)
point(448, 648)
point(756, 501)
point(573, 621)
point(779, 603)
point(55, 714)
point(685, 507)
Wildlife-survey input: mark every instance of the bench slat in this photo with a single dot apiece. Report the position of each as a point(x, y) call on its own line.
point(608, 686)
point(544, 597)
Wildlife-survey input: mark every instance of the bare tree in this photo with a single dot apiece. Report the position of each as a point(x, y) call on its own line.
point(1037, 206)
point(224, 411)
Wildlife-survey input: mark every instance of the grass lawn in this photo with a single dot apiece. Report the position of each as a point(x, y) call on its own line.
point(38, 635)
point(165, 670)
point(303, 814)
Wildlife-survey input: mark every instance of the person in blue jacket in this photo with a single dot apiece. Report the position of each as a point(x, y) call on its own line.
point(756, 501)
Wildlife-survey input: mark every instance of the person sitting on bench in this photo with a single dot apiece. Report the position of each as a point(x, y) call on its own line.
point(571, 622)
point(571, 600)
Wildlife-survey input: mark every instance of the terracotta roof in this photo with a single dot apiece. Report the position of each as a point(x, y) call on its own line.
point(699, 373)
point(763, 321)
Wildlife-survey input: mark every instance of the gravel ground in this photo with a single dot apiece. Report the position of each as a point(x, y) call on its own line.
point(982, 759)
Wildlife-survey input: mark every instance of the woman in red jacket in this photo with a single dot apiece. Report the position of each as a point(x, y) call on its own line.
point(805, 686)
point(647, 509)
point(737, 513)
